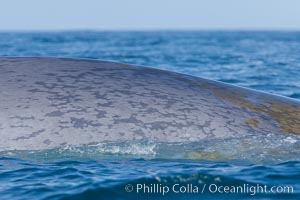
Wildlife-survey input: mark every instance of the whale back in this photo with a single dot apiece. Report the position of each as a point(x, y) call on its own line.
point(51, 102)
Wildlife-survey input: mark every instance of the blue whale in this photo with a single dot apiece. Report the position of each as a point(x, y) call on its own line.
point(52, 102)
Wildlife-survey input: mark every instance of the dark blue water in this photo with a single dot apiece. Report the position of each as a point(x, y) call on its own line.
point(268, 61)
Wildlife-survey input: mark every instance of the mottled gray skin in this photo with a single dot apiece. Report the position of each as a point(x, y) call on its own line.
point(48, 102)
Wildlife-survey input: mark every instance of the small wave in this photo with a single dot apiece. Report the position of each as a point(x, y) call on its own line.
point(260, 149)
point(98, 151)
point(138, 149)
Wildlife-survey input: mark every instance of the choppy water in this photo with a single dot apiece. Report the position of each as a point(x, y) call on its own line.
point(268, 61)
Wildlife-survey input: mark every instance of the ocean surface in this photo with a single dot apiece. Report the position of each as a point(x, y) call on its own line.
point(265, 168)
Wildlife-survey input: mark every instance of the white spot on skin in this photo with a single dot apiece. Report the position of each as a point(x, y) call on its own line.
point(290, 140)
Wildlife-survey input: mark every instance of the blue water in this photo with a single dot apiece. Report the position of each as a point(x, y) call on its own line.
point(268, 61)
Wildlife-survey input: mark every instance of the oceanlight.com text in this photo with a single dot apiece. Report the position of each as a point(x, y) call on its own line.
point(164, 189)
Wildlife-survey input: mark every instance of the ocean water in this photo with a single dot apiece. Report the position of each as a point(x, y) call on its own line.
point(267, 61)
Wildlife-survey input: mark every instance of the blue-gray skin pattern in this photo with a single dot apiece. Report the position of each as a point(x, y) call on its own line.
point(50, 102)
